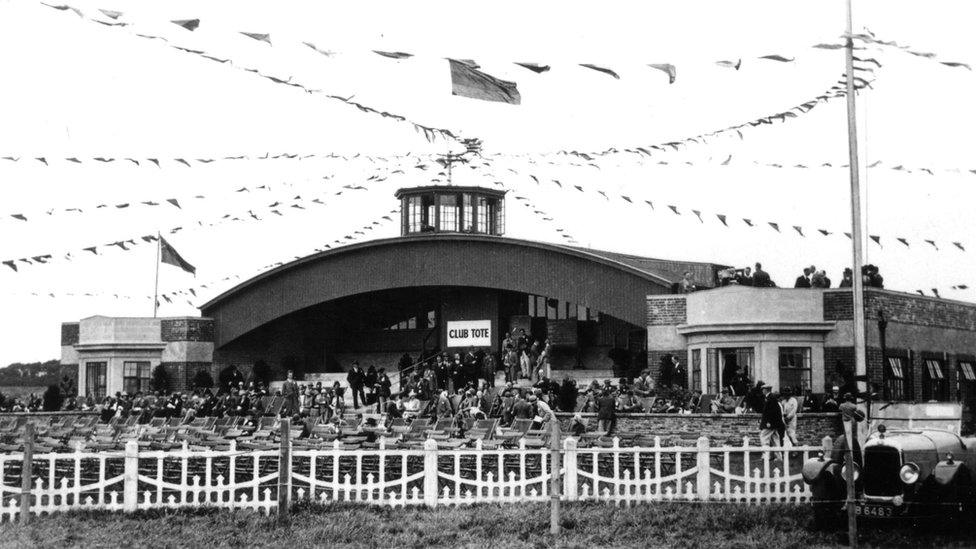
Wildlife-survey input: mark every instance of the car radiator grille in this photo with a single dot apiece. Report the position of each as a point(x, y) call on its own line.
point(880, 474)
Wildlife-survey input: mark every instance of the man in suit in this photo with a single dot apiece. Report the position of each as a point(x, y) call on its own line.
point(289, 390)
point(760, 278)
point(356, 378)
point(803, 281)
point(771, 424)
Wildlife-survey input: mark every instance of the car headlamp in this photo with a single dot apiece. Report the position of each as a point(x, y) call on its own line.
point(909, 473)
point(857, 472)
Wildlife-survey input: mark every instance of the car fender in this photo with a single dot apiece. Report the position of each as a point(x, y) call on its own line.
point(813, 469)
point(948, 473)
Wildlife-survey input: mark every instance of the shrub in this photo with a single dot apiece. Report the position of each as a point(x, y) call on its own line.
point(202, 380)
point(160, 380)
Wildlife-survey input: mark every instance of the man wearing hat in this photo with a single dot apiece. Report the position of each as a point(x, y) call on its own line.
point(771, 424)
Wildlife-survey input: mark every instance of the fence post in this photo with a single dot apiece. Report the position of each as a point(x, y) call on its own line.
point(554, 446)
point(130, 478)
point(704, 468)
point(828, 446)
point(26, 473)
point(570, 488)
point(430, 472)
point(284, 471)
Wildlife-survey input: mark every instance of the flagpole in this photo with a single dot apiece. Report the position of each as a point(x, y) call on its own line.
point(159, 245)
point(860, 354)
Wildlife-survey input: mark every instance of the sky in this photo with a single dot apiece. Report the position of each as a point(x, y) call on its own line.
point(75, 88)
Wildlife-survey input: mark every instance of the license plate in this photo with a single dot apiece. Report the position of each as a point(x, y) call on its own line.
point(880, 511)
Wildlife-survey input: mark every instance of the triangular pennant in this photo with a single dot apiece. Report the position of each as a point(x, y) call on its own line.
point(12, 264)
point(393, 54)
point(674, 209)
point(174, 202)
point(91, 249)
point(600, 69)
point(876, 239)
point(698, 214)
point(825, 232)
point(730, 64)
point(798, 229)
point(667, 68)
point(932, 242)
point(188, 24)
point(534, 67)
point(959, 245)
point(326, 53)
point(903, 241)
point(721, 218)
point(258, 36)
point(747, 221)
point(776, 57)
point(649, 203)
point(775, 226)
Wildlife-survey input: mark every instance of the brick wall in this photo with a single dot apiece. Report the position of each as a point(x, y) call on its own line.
point(654, 361)
point(903, 308)
point(720, 429)
point(187, 329)
point(666, 311)
point(69, 333)
point(179, 374)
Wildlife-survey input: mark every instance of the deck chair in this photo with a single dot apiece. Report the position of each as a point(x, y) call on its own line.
point(399, 426)
point(704, 405)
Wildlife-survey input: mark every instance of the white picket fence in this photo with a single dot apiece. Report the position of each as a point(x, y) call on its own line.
point(134, 480)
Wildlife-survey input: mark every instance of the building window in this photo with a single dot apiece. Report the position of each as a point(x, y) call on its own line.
point(966, 372)
point(794, 369)
point(736, 368)
point(894, 379)
point(135, 377)
point(95, 379)
point(499, 217)
point(448, 204)
point(431, 319)
point(467, 213)
point(695, 369)
point(713, 379)
point(934, 385)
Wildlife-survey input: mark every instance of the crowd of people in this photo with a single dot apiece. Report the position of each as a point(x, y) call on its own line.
point(811, 278)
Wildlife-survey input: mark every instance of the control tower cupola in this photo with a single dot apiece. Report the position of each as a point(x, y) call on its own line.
point(451, 209)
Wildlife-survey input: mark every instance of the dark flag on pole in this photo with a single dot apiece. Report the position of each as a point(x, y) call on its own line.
point(470, 82)
point(168, 254)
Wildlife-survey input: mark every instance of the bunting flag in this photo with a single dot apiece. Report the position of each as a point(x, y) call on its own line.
point(777, 57)
point(394, 54)
point(876, 239)
point(722, 219)
point(903, 241)
point(668, 68)
point(326, 53)
point(799, 230)
point(534, 67)
point(604, 70)
point(258, 36)
point(169, 256)
point(730, 64)
point(188, 24)
point(470, 82)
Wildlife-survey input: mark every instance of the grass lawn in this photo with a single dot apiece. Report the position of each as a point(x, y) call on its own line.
point(585, 525)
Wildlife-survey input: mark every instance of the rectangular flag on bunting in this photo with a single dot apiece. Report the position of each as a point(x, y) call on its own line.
point(168, 254)
point(467, 81)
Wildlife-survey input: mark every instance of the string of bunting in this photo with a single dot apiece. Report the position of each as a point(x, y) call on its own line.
point(112, 20)
point(869, 37)
point(725, 218)
point(25, 216)
point(277, 208)
point(836, 91)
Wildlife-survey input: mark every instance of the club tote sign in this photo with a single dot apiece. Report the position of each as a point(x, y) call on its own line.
point(469, 333)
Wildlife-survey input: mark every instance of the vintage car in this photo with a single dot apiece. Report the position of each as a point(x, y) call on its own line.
point(913, 464)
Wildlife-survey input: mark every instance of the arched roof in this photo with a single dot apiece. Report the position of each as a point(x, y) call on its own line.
point(603, 281)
